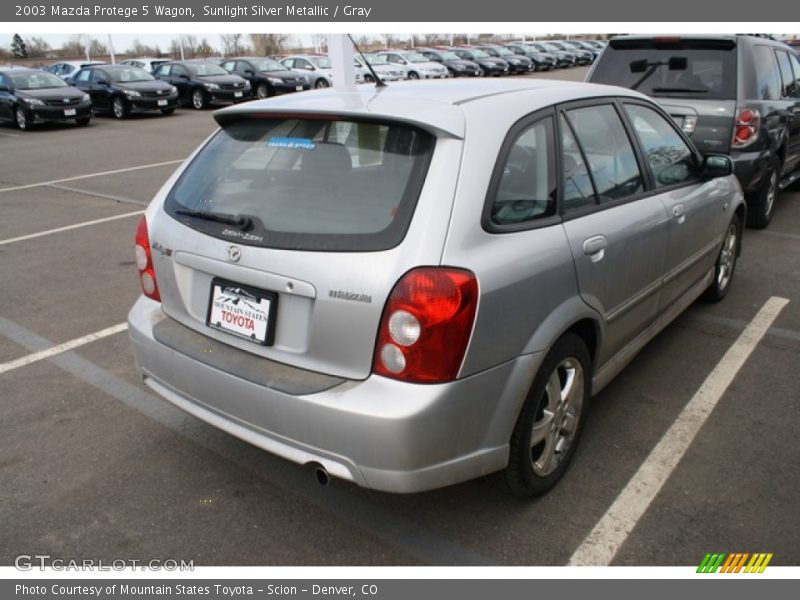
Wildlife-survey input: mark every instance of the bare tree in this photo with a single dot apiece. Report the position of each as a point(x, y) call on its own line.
point(232, 44)
point(320, 42)
point(204, 49)
point(37, 47)
point(265, 44)
point(73, 47)
point(97, 48)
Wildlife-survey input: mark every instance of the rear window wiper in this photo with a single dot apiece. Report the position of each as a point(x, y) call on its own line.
point(242, 222)
point(679, 89)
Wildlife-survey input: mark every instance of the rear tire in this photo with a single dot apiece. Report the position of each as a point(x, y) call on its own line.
point(725, 266)
point(761, 205)
point(550, 423)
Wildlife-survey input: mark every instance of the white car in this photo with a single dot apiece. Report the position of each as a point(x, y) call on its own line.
point(381, 66)
point(318, 67)
point(419, 67)
point(67, 68)
point(147, 63)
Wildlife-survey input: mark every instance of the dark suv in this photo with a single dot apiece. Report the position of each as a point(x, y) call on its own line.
point(732, 94)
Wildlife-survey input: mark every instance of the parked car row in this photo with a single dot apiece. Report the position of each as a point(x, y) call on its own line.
point(732, 94)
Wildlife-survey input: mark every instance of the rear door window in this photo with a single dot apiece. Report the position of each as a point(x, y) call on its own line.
point(307, 184)
point(787, 77)
point(608, 151)
point(671, 160)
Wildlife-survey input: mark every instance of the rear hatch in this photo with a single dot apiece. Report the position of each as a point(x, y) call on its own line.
point(694, 79)
point(285, 234)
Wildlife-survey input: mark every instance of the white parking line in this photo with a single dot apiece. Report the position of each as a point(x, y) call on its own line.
point(114, 172)
point(30, 236)
point(10, 134)
point(602, 544)
point(71, 345)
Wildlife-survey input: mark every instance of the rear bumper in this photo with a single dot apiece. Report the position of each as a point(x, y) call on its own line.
point(378, 433)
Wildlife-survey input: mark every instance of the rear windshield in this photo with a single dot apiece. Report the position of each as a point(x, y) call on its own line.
point(710, 72)
point(305, 184)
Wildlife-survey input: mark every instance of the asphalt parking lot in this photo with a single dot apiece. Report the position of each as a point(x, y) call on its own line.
point(94, 465)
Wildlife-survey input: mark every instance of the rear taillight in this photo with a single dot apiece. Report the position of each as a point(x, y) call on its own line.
point(426, 325)
point(745, 129)
point(144, 262)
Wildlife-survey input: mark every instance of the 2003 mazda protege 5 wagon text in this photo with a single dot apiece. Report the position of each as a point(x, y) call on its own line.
point(413, 286)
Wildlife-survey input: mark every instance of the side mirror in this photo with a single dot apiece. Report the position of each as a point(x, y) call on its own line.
point(103, 82)
point(402, 62)
point(717, 165)
point(4, 88)
point(249, 72)
point(183, 76)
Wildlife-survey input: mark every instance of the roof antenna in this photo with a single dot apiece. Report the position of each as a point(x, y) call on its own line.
point(378, 81)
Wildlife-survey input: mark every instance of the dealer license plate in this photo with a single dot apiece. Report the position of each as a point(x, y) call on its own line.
point(237, 94)
point(242, 311)
point(162, 102)
point(69, 112)
point(298, 88)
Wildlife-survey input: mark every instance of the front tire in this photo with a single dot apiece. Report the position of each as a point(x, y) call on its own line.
point(761, 206)
point(549, 425)
point(119, 108)
point(321, 84)
point(725, 266)
point(21, 119)
point(262, 91)
point(199, 101)
point(413, 75)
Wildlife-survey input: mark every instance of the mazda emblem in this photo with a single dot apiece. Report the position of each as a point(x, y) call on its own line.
point(233, 253)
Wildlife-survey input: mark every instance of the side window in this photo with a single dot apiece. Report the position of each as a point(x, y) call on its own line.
point(178, 71)
point(789, 87)
point(228, 65)
point(796, 68)
point(4, 82)
point(303, 64)
point(577, 188)
point(671, 160)
point(83, 76)
point(767, 74)
point(608, 151)
point(97, 75)
point(163, 70)
point(526, 190)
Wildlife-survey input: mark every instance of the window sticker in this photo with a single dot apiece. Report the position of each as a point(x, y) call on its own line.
point(291, 143)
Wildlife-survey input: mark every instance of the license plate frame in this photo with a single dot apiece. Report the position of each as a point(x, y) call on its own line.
point(226, 294)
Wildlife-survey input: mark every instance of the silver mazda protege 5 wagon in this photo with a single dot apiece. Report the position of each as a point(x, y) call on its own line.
point(413, 286)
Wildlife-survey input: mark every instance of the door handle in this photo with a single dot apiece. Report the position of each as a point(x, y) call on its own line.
point(595, 247)
point(679, 212)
